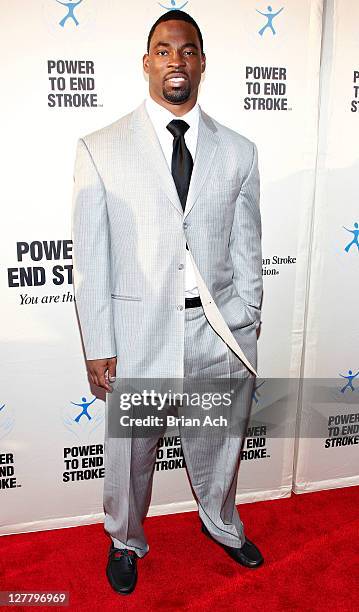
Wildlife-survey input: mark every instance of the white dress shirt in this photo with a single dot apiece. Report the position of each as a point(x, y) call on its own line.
point(160, 118)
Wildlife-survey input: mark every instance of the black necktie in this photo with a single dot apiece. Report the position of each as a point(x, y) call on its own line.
point(182, 162)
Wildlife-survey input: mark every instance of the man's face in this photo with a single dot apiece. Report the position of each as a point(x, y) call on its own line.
point(174, 63)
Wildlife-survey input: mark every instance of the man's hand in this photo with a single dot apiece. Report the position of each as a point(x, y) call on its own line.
point(101, 370)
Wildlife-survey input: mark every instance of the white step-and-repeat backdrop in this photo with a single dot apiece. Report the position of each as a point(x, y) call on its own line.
point(328, 445)
point(73, 67)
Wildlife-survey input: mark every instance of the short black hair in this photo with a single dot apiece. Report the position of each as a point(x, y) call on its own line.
point(175, 14)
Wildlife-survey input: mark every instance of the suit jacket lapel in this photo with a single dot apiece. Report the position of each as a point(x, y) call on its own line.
point(207, 145)
point(146, 139)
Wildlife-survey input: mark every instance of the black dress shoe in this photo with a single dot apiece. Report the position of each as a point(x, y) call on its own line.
point(248, 555)
point(121, 569)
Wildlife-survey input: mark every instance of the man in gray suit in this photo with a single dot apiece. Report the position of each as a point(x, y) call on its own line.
point(167, 260)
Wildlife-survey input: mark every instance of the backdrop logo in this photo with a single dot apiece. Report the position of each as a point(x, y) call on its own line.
point(349, 377)
point(355, 241)
point(270, 18)
point(83, 418)
point(70, 12)
point(7, 421)
point(174, 6)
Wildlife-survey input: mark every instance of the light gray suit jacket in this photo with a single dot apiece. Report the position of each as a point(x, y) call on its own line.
point(129, 237)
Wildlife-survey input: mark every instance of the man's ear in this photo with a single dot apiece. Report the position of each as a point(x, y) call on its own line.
point(146, 60)
point(203, 63)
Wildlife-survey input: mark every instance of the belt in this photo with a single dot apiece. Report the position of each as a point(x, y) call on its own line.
point(193, 302)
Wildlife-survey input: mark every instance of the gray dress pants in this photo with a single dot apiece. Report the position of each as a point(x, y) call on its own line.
point(212, 458)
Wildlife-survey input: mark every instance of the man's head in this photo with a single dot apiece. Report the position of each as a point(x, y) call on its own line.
point(175, 61)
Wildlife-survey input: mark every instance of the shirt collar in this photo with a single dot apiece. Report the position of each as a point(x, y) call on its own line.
point(161, 116)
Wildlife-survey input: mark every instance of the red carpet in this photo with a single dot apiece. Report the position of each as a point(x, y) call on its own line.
point(310, 545)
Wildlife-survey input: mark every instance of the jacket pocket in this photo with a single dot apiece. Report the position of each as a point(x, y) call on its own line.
point(119, 296)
